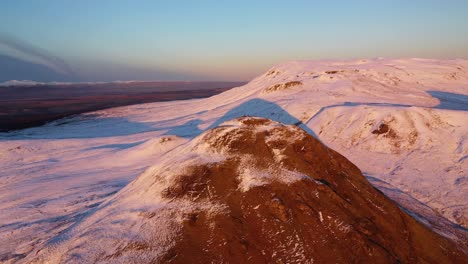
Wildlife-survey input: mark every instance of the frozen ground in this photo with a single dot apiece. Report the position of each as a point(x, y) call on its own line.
point(403, 122)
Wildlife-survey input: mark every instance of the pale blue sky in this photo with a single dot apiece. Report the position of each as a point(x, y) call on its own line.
point(215, 40)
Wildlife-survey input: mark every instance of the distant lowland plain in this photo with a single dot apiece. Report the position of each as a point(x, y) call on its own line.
point(29, 105)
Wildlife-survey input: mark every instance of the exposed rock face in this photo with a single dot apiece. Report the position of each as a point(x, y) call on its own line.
point(282, 86)
point(253, 190)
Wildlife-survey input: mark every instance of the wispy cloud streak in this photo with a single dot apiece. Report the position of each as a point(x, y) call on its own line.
point(34, 54)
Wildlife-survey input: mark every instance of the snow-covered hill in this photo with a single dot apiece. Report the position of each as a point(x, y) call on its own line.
point(402, 122)
point(250, 191)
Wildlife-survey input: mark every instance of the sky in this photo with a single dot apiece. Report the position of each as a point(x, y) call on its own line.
point(108, 40)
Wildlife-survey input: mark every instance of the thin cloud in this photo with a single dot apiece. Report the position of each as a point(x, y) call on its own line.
point(34, 54)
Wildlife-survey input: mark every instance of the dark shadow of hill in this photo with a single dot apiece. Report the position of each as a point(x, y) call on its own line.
point(81, 126)
point(118, 146)
point(450, 101)
point(254, 107)
point(264, 109)
point(187, 130)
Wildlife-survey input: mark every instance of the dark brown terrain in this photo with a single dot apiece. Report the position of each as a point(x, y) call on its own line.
point(331, 216)
point(28, 106)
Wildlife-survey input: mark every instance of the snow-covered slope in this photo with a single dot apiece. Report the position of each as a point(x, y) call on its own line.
point(250, 191)
point(402, 122)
